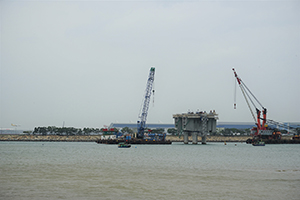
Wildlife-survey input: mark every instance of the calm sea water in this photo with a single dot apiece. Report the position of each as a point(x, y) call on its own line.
point(35, 170)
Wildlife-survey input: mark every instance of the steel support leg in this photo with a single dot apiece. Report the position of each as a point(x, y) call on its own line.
point(195, 137)
point(185, 138)
point(203, 139)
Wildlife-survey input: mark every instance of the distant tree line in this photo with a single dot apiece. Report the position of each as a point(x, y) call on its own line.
point(172, 131)
point(233, 131)
point(53, 130)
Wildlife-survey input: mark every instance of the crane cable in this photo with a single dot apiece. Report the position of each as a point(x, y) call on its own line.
point(234, 96)
point(153, 92)
point(252, 95)
point(249, 96)
point(242, 85)
point(242, 89)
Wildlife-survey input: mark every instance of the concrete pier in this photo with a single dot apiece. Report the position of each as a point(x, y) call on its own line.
point(185, 138)
point(195, 137)
point(203, 141)
point(199, 124)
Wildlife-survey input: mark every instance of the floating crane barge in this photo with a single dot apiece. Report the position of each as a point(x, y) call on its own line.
point(142, 138)
point(262, 131)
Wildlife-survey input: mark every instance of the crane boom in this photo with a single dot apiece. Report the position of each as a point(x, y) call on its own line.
point(244, 94)
point(262, 129)
point(144, 111)
point(245, 90)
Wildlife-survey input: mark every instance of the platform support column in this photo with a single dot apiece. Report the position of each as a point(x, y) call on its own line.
point(195, 137)
point(203, 139)
point(185, 138)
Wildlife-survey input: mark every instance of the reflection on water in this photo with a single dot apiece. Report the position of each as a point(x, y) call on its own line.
point(35, 170)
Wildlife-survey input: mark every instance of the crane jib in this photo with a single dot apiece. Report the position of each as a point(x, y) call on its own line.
point(144, 113)
point(236, 76)
point(262, 123)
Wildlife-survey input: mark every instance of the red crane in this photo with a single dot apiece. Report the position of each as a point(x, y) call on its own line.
point(261, 131)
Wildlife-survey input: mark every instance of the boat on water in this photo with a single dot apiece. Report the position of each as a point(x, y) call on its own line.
point(258, 143)
point(123, 145)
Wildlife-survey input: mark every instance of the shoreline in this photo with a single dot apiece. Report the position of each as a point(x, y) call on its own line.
point(94, 138)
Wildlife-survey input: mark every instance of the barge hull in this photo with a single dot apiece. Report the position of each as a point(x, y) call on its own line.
point(133, 141)
point(278, 141)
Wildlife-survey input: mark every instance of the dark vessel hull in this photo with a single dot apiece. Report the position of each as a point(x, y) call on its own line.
point(133, 141)
point(273, 141)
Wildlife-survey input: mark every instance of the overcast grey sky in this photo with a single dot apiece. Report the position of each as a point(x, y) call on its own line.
point(87, 62)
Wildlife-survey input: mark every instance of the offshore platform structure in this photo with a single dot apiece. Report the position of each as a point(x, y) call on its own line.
point(144, 111)
point(199, 123)
point(262, 130)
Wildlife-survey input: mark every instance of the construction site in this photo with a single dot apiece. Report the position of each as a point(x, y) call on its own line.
point(202, 123)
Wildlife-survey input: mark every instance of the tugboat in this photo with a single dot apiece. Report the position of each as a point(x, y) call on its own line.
point(123, 145)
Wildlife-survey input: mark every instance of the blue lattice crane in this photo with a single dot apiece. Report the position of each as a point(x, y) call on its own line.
point(144, 111)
